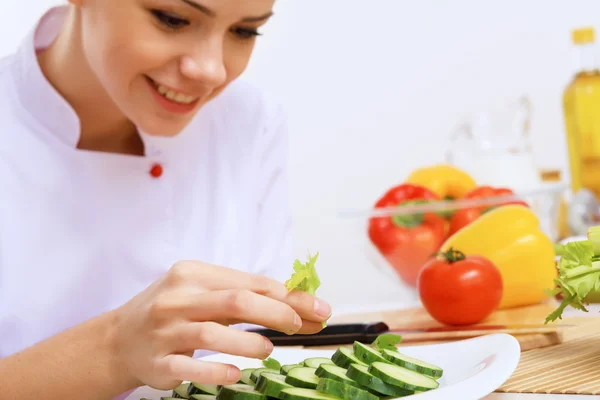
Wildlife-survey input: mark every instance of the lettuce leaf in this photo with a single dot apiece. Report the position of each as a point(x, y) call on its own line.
point(579, 274)
point(305, 277)
point(387, 341)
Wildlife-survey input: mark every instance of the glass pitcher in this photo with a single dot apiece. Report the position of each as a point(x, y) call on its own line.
point(494, 146)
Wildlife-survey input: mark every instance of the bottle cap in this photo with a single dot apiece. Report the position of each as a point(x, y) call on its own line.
point(583, 35)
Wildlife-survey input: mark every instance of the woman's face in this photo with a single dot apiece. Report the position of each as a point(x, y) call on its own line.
point(161, 60)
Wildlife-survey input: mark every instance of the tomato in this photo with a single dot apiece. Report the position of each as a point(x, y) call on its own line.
point(460, 289)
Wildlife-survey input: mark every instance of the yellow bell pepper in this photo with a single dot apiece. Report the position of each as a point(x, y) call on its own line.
point(511, 238)
point(444, 180)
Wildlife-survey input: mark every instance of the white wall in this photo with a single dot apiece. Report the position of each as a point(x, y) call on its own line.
point(373, 88)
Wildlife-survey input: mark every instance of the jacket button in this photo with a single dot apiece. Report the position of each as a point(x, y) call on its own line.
point(156, 171)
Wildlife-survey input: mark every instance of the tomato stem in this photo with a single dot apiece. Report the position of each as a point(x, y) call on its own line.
point(451, 256)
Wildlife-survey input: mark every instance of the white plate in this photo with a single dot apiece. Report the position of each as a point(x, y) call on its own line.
point(473, 368)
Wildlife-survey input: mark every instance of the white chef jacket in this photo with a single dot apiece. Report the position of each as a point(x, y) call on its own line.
point(82, 232)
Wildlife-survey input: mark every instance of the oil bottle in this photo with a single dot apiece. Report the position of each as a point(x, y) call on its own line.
point(581, 102)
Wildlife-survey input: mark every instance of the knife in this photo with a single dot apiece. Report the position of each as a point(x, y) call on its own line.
point(339, 334)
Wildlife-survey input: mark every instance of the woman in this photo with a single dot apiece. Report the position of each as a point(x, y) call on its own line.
point(128, 147)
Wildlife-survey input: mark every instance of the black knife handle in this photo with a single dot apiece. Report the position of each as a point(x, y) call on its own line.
point(336, 334)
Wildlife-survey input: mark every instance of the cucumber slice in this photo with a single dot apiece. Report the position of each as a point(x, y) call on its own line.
point(256, 373)
point(199, 388)
point(402, 377)
point(203, 397)
point(361, 374)
point(343, 390)
point(240, 391)
point(271, 385)
point(305, 394)
point(286, 368)
point(367, 354)
point(181, 391)
point(314, 362)
point(414, 364)
point(302, 377)
point(344, 356)
point(335, 373)
point(246, 376)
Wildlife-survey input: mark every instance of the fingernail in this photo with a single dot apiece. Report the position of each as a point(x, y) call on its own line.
point(297, 322)
point(268, 346)
point(321, 308)
point(233, 374)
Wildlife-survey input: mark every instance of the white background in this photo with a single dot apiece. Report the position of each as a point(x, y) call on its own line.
point(373, 88)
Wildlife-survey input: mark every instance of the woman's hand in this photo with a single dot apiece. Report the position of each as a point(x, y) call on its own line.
point(190, 308)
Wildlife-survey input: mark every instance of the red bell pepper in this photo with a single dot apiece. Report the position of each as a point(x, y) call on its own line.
point(464, 217)
point(407, 242)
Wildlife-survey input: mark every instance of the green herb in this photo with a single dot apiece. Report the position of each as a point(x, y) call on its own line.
point(387, 341)
point(579, 273)
point(305, 277)
point(272, 363)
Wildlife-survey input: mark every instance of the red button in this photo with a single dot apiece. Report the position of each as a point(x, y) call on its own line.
point(156, 171)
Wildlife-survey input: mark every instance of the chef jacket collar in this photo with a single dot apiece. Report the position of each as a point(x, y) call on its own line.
point(48, 108)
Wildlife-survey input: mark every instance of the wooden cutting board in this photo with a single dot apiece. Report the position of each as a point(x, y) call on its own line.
point(567, 368)
point(419, 318)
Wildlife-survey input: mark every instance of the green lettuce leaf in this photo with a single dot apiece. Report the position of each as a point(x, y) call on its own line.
point(579, 274)
point(305, 277)
point(272, 363)
point(387, 341)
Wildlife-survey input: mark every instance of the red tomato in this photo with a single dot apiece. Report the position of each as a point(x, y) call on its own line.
point(458, 289)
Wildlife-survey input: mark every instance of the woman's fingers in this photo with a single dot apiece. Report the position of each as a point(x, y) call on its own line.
point(247, 307)
point(216, 337)
point(176, 367)
point(310, 327)
point(307, 306)
point(216, 278)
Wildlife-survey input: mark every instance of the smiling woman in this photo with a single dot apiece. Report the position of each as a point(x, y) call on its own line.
point(144, 204)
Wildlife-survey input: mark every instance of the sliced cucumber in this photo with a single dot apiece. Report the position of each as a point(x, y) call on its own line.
point(335, 373)
point(302, 377)
point(305, 394)
point(314, 362)
point(343, 390)
point(256, 373)
point(411, 363)
point(181, 391)
point(246, 376)
point(402, 377)
point(240, 391)
point(361, 374)
point(271, 385)
point(286, 368)
point(344, 356)
point(203, 397)
point(199, 388)
point(367, 354)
